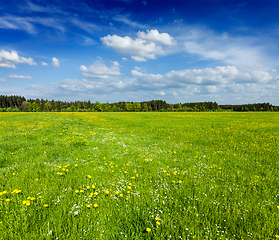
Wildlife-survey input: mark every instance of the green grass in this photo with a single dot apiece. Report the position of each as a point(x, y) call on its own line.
point(201, 175)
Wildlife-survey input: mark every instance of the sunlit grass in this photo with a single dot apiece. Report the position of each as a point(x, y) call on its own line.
point(139, 175)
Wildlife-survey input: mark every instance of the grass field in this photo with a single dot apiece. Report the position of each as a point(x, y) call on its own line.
point(139, 175)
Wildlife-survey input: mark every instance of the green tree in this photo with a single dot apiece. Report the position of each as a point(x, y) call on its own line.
point(34, 107)
point(145, 108)
point(73, 108)
point(25, 106)
point(136, 107)
point(129, 107)
point(98, 106)
point(48, 107)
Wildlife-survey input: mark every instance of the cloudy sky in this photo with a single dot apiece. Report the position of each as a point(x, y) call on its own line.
point(130, 50)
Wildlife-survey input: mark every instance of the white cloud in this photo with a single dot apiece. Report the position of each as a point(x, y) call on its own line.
point(161, 93)
point(27, 23)
point(17, 23)
point(7, 65)
point(124, 59)
point(127, 21)
point(3, 80)
point(273, 70)
point(139, 49)
point(44, 64)
point(9, 59)
point(115, 63)
point(19, 76)
point(55, 62)
point(89, 42)
point(156, 37)
point(88, 27)
point(206, 77)
point(138, 59)
point(243, 52)
point(100, 70)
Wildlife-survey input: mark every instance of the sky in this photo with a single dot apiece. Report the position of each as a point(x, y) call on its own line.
point(139, 50)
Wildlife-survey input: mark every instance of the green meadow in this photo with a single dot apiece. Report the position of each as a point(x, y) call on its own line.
point(139, 175)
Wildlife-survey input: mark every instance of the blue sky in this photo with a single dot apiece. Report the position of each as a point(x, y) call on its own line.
point(110, 51)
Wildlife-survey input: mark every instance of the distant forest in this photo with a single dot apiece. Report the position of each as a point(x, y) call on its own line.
point(20, 104)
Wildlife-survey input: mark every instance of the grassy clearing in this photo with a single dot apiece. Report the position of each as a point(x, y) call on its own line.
point(139, 175)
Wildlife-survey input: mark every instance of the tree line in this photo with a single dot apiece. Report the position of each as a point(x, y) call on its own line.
point(16, 103)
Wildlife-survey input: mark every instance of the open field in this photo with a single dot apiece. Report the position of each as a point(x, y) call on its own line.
point(139, 175)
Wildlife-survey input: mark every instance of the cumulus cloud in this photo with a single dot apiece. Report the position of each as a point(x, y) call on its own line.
point(139, 59)
point(55, 62)
point(156, 37)
point(3, 80)
point(102, 87)
point(19, 76)
point(205, 77)
point(142, 48)
point(135, 48)
point(161, 93)
point(9, 59)
point(273, 70)
point(44, 64)
point(100, 70)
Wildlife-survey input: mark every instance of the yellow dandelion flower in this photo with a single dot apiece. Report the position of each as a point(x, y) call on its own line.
point(95, 205)
point(27, 203)
point(77, 191)
point(107, 192)
point(32, 198)
point(158, 223)
point(45, 205)
point(156, 218)
point(148, 229)
point(129, 187)
point(81, 191)
point(88, 206)
point(93, 186)
point(24, 202)
point(116, 192)
point(29, 198)
point(8, 200)
point(88, 187)
point(121, 195)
